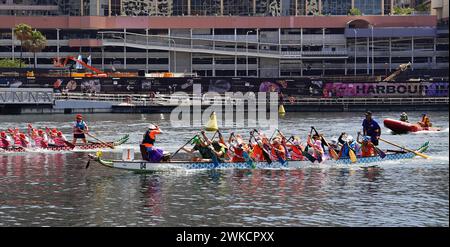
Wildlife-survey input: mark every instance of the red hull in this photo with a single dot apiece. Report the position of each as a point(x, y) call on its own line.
point(403, 127)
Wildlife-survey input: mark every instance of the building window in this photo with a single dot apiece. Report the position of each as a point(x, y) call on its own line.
point(312, 7)
point(205, 7)
point(180, 7)
point(369, 7)
point(147, 7)
point(268, 7)
point(336, 7)
point(238, 7)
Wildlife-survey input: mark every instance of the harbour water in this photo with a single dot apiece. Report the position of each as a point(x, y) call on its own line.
point(55, 189)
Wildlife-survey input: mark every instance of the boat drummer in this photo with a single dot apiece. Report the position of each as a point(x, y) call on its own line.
point(79, 129)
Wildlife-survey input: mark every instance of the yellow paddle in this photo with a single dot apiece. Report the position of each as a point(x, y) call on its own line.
point(407, 149)
point(351, 154)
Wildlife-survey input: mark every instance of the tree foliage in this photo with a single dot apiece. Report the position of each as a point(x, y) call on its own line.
point(11, 63)
point(354, 11)
point(36, 43)
point(403, 11)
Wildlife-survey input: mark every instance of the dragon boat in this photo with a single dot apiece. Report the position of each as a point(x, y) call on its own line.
point(145, 166)
point(91, 146)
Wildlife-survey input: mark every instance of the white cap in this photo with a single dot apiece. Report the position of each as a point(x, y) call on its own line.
point(350, 138)
point(152, 126)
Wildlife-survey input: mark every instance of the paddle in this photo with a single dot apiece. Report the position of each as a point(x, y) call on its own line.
point(304, 153)
point(214, 158)
point(406, 149)
point(102, 142)
point(171, 156)
point(333, 153)
point(351, 153)
point(264, 151)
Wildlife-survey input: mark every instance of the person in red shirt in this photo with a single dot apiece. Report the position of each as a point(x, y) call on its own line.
point(296, 149)
point(237, 147)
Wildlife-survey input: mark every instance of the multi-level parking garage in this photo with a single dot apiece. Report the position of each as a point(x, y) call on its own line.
point(286, 38)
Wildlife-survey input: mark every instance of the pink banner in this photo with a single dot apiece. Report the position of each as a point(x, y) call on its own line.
point(385, 89)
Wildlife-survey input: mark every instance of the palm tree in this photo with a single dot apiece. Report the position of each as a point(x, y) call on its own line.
point(23, 33)
point(36, 43)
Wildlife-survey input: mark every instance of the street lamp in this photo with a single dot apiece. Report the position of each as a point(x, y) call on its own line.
point(246, 54)
point(174, 53)
point(373, 62)
point(354, 70)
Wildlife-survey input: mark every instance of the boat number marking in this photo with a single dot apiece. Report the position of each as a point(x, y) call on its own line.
point(143, 165)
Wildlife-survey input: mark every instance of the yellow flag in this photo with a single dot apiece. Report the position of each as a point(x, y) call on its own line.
point(212, 123)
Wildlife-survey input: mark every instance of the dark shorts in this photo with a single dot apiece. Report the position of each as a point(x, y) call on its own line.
point(79, 136)
point(374, 140)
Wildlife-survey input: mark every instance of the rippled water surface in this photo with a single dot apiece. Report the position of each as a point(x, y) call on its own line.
point(55, 189)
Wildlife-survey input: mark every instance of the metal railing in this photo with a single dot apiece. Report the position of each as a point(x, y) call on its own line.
point(174, 99)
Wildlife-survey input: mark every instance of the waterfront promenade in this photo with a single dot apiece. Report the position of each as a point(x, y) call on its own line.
point(69, 103)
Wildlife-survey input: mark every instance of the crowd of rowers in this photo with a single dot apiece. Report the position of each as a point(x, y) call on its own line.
point(277, 148)
point(42, 138)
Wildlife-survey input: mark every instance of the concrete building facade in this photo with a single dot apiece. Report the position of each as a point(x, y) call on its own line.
point(255, 38)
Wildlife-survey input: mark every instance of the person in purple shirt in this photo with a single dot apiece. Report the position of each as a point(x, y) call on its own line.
point(371, 128)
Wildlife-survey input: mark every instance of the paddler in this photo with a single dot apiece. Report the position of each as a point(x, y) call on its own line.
point(257, 151)
point(5, 140)
point(236, 147)
point(316, 143)
point(348, 143)
point(25, 141)
point(277, 149)
point(257, 147)
point(371, 128)
point(202, 147)
point(425, 121)
point(367, 147)
point(79, 129)
point(60, 140)
point(295, 147)
point(148, 150)
point(404, 117)
point(41, 140)
point(219, 149)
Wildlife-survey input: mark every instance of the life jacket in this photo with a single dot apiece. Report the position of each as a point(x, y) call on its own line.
point(426, 121)
point(296, 153)
point(278, 152)
point(17, 140)
point(257, 153)
point(79, 125)
point(368, 150)
point(149, 139)
point(238, 155)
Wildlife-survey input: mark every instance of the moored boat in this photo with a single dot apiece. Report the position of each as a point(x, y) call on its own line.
point(405, 127)
point(85, 147)
point(145, 166)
